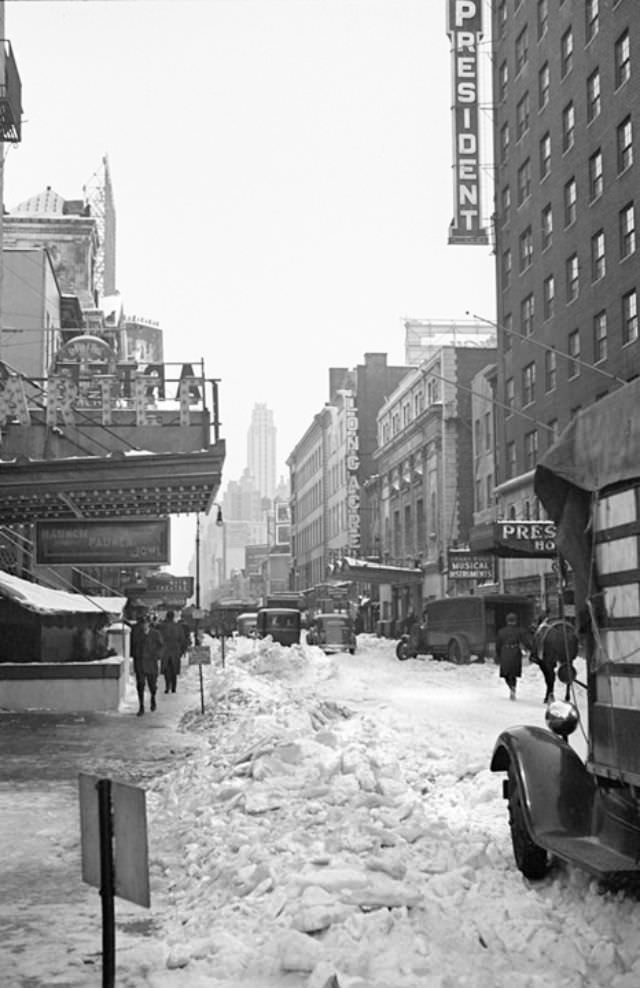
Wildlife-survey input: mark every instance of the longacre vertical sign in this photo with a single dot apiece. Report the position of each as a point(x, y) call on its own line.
point(353, 466)
point(464, 28)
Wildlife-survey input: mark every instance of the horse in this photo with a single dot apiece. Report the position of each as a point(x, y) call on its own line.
point(555, 643)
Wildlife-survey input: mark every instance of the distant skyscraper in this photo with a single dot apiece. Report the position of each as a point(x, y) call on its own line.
point(261, 450)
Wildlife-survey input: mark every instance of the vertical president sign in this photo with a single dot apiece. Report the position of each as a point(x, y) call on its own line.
point(464, 28)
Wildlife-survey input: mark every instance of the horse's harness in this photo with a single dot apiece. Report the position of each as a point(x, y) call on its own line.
point(543, 630)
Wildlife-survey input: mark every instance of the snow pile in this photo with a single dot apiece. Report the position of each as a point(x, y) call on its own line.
point(309, 840)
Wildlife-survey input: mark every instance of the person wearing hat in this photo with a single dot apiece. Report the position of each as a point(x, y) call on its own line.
point(146, 652)
point(510, 641)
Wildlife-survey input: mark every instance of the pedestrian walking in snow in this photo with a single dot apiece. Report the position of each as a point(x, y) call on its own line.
point(510, 641)
point(174, 647)
point(146, 652)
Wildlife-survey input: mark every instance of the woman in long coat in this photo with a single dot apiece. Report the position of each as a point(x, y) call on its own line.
point(510, 641)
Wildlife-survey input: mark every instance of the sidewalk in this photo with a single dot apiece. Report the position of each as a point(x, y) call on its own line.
point(42, 754)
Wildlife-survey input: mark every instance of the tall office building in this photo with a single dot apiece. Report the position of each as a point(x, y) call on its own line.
point(261, 450)
point(566, 177)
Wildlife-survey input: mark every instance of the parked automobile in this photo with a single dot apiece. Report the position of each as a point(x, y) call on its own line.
point(246, 623)
point(455, 628)
point(333, 633)
point(283, 624)
point(561, 804)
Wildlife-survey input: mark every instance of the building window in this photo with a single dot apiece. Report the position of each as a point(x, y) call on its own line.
point(566, 52)
point(503, 81)
point(548, 297)
point(592, 18)
point(596, 181)
point(525, 249)
point(489, 483)
point(545, 156)
point(622, 56)
point(629, 317)
point(511, 463)
point(600, 337)
point(550, 370)
point(528, 384)
point(546, 226)
point(598, 265)
point(522, 49)
point(624, 145)
point(568, 127)
point(522, 116)
point(544, 82)
point(505, 199)
point(502, 17)
point(507, 332)
point(478, 494)
point(524, 181)
point(504, 143)
point(509, 395)
point(593, 96)
point(506, 269)
point(573, 349)
point(476, 436)
point(530, 449)
point(570, 202)
point(487, 430)
point(572, 278)
point(627, 225)
point(543, 18)
point(527, 312)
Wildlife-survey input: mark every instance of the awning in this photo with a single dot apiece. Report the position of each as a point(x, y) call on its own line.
point(44, 601)
point(116, 486)
point(368, 572)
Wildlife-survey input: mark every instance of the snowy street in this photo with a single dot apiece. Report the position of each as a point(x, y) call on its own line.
point(336, 824)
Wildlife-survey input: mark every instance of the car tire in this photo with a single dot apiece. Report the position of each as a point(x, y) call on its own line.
point(531, 859)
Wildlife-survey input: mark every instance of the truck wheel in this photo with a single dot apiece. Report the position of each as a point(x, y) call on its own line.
point(458, 651)
point(402, 651)
point(530, 858)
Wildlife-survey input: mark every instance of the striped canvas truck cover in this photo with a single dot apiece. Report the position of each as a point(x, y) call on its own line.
point(615, 710)
point(589, 484)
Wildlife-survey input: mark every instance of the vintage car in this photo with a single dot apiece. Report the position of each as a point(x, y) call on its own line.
point(332, 633)
point(246, 623)
point(282, 624)
point(457, 628)
point(566, 803)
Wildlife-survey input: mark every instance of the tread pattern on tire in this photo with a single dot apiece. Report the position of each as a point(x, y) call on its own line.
point(531, 859)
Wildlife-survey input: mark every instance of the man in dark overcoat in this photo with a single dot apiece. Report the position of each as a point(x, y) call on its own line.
point(174, 647)
point(146, 652)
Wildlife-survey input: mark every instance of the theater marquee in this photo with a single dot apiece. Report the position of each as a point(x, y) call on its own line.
point(108, 542)
point(464, 28)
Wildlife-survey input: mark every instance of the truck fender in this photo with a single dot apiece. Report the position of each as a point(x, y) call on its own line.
point(557, 792)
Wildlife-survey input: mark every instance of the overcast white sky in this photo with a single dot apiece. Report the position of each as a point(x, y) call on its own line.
point(281, 172)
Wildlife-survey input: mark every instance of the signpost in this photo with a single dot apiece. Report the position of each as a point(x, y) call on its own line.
point(200, 655)
point(115, 857)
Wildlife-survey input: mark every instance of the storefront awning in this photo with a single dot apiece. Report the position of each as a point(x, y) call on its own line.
point(43, 600)
point(368, 572)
